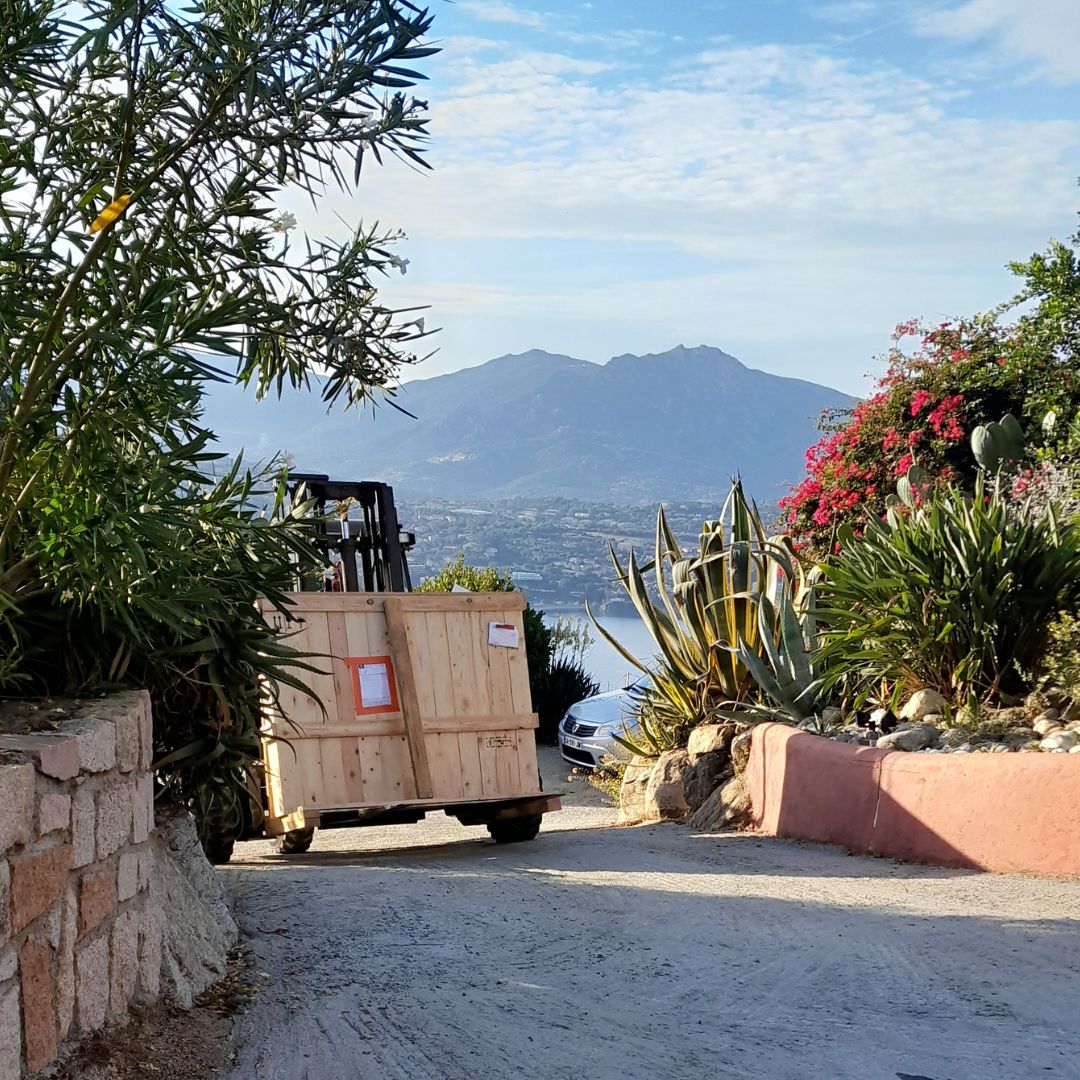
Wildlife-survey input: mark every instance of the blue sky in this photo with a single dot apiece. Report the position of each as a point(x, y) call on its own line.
point(785, 179)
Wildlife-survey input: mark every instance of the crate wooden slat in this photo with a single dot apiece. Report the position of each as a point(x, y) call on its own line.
point(461, 728)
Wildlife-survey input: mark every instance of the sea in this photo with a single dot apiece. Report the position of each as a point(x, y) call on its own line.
point(604, 664)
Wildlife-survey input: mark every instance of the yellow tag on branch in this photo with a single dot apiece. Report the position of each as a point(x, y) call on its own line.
point(110, 213)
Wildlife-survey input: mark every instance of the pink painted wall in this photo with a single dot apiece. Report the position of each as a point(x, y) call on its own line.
point(1001, 812)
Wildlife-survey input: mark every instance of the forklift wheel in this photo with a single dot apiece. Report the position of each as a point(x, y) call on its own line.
point(218, 845)
point(295, 842)
point(516, 830)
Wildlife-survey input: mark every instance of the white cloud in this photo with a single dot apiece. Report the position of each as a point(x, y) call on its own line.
point(1044, 31)
point(788, 193)
point(498, 11)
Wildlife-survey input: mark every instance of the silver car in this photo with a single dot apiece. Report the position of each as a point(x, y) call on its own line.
point(587, 732)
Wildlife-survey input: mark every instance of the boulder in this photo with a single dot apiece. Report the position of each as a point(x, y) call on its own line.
point(710, 739)
point(922, 703)
point(198, 929)
point(1060, 740)
point(918, 737)
point(665, 793)
point(728, 807)
point(632, 793)
point(704, 776)
point(740, 750)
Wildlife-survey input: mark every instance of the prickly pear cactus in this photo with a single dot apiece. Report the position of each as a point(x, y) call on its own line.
point(998, 444)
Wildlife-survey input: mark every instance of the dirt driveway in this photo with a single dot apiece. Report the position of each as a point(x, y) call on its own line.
point(424, 952)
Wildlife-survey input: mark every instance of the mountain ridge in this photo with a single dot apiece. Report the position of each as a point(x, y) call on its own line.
point(639, 428)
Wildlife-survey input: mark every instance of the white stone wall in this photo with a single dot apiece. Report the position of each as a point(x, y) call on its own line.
point(80, 937)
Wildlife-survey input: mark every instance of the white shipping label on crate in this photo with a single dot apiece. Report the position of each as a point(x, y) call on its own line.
point(504, 635)
point(375, 685)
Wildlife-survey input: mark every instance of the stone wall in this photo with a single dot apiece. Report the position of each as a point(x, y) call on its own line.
point(80, 938)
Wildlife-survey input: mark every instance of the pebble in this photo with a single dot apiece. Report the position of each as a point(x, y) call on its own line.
point(1044, 725)
point(1060, 740)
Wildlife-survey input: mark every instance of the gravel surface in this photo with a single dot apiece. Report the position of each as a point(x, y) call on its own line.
point(425, 952)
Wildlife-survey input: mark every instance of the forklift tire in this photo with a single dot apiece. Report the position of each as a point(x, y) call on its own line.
point(295, 842)
point(218, 845)
point(516, 830)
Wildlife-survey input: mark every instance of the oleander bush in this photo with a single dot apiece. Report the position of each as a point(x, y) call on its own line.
point(144, 256)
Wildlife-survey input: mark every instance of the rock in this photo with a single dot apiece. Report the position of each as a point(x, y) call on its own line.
point(632, 793)
point(728, 807)
point(955, 737)
point(915, 738)
point(856, 738)
point(1075, 749)
point(934, 719)
point(740, 750)
point(1045, 725)
point(832, 716)
point(710, 739)
point(1060, 740)
point(1014, 716)
point(1016, 737)
point(665, 793)
point(704, 776)
point(922, 703)
point(1049, 714)
point(1071, 713)
point(198, 929)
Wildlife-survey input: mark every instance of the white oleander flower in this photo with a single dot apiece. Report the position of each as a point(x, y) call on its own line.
point(284, 222)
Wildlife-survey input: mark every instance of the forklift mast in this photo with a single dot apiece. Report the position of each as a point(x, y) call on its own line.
point(367, 535)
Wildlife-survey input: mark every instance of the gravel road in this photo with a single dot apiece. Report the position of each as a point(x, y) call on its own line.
point(424, 952)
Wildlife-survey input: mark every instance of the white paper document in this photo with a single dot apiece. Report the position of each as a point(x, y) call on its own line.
point(504, 635)
point(374, 685)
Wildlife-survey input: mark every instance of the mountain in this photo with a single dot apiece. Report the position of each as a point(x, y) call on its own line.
point(671, 425)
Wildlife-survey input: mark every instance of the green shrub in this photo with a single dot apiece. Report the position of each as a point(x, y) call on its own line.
point(955, 594)
point(567, 682)
point(144, 256)
point(1060, 667)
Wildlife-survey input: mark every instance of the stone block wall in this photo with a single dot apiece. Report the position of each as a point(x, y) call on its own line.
point(80, 939)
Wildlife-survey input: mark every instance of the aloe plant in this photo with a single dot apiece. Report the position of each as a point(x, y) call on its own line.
point(708, 604)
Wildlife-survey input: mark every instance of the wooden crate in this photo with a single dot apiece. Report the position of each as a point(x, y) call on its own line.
point(453, 724)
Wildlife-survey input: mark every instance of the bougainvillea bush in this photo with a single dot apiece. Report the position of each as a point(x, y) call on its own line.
point(943, 381)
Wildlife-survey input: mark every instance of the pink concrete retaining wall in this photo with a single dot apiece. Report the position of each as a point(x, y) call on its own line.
point(1002, 812)
point(80, 940)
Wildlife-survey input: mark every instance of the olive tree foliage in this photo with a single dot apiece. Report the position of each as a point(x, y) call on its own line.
point(145, 147)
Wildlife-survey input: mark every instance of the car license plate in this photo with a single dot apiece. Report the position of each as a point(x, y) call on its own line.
point(574, 744)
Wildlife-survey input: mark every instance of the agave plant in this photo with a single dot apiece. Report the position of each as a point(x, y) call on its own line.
point(789, 668)
point(708, 606)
